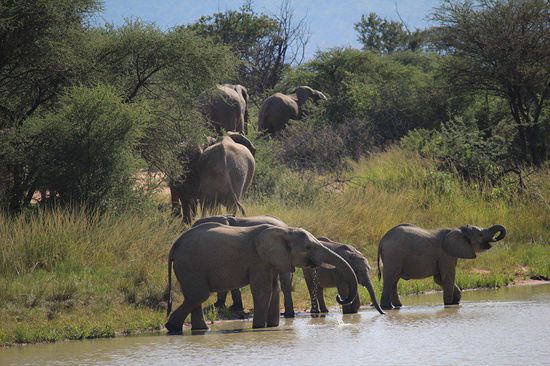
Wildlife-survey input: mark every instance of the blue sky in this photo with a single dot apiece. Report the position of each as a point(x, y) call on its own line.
point(330, 22)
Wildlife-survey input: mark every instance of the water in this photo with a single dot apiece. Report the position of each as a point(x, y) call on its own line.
point(508, 326)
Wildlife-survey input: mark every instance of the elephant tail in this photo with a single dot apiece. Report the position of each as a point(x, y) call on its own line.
point(238, 203)
point(169, 288)
point(378, 263)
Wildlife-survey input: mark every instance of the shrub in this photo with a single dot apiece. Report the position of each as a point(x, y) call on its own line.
point(84, 153)
point(309, 145)
point(461, 147)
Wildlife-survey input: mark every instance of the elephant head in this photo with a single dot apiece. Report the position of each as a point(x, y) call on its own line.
point(358, 263)
point(286, 248)
point(305, 93)
point(468, 240)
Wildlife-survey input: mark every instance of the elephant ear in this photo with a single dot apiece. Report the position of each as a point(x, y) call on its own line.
point(273, 247)
point(240, 139)
point(457, 244)
point(303, 93)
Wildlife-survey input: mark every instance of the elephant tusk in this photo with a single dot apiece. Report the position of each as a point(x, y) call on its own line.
point(327, 266)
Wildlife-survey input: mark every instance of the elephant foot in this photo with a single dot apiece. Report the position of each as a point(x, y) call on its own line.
point(349, 311)
point(237, 308)
point(173, 329)
point(314, 311)
point(386, 307)
point(324, 310)
point(289, 314)
point(219, 305)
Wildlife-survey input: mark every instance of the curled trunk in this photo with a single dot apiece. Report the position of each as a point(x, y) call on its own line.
point(490, 233)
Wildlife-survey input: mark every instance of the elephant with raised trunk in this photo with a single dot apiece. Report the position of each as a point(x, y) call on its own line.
point(226, 106)
point(217, 175)
point(213, 257)
point(410, 252)
point(318, 279)
point(277, 109)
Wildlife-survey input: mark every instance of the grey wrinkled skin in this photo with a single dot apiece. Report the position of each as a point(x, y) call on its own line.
point(410, 252)
point(219, 175)
point(212, 257)
point(226, 107)
point(279, 108)
point(285, 278)
point(327, 278)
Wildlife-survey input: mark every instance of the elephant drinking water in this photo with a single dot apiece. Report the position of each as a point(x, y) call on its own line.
point(213, 257)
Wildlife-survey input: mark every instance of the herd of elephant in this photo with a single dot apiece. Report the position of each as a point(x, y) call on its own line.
point(220, 173)
point(224, 253)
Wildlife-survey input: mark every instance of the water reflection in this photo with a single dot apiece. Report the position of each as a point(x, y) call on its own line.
point(505, 326)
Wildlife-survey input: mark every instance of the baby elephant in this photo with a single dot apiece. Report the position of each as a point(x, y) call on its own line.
point(318, 279)
point(213, 257)
point(410, 252)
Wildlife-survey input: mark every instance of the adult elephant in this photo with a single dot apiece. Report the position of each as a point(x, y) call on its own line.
point(285, 278)
point(217, 175)
point(410, 252)
point(213, 257)
point(277, 109)
point(226, 106)
point(319, 279)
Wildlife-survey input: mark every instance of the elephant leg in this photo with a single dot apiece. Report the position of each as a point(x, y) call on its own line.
point(321, 298)
point(273, 312)
point(457, 295)
point(450, 290)
point(286, 287)
point(353, 307)
point(174, 324)
point(310, 287)
point(197, 319)
point(221, 298)
point(175, 201)
point(237, 300)
point(396, 302)
point(390, 280)
point(261, 288)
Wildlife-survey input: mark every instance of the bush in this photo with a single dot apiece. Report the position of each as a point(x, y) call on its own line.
point(461, 147)
point(309, 145)
point(84, 153)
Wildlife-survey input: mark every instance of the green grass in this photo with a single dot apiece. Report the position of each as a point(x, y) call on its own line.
point(74, 274)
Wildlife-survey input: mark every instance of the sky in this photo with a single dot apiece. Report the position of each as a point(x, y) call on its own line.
point(330, 21)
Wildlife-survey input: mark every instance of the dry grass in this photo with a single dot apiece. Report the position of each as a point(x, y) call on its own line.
point(74, 274)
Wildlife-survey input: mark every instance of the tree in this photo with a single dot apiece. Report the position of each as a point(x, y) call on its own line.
point(47, 48)
point(38, 58)
point(385, 36)
point(265, 44)
point(502, 47)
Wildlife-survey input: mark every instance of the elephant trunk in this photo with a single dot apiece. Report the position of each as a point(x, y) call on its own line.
point(490, 233)
point(370, 289)
point(345, 271)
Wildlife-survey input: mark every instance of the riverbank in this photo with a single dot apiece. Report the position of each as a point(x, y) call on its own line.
point(76, 275)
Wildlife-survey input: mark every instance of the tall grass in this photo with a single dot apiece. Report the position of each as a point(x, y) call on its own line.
point(72, 274)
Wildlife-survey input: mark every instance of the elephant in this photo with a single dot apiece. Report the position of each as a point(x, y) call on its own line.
point(285, 278)
point(323, 278)
point(278, 108)
point(410, 252)
point(226, 106)
point(213, 257)
point(219, 175)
